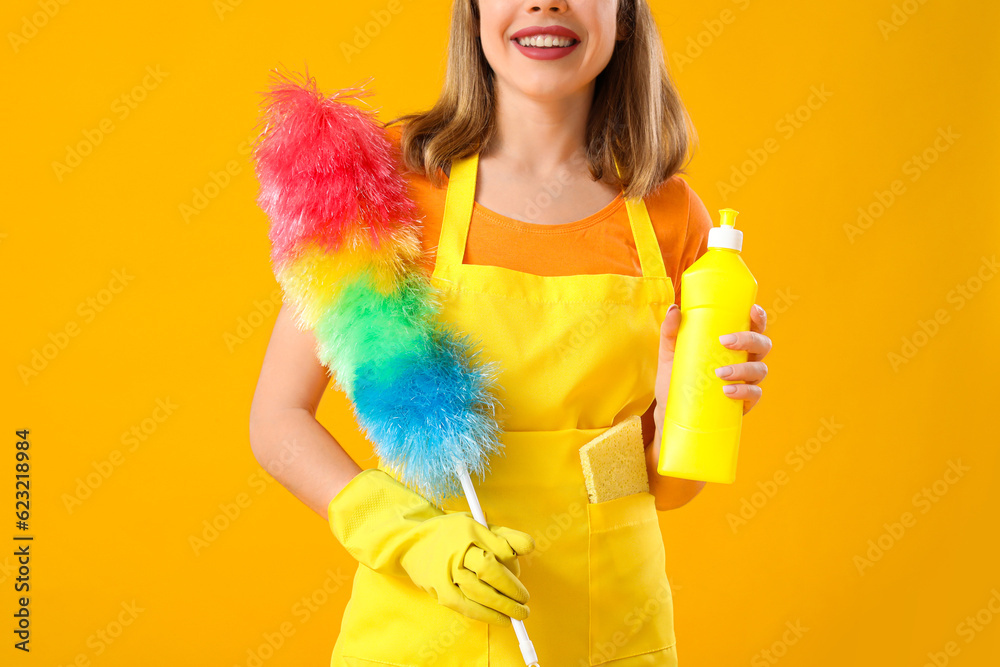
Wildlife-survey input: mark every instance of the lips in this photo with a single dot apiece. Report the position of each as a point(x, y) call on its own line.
point(545, 52)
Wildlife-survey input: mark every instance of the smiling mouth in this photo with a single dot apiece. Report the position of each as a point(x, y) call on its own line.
point(555, 43)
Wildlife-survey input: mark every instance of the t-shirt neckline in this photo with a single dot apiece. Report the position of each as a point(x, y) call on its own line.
point(542, 228)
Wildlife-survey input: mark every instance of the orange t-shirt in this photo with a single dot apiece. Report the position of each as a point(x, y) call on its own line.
point(600, 243)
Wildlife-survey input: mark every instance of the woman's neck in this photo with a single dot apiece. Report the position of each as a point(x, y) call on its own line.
point(538, 138)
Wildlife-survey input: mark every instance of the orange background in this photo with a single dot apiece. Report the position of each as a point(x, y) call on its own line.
point(146, 327)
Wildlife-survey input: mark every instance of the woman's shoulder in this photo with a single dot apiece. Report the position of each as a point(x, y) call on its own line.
point(394, 135)
point(428, 200)
point(671, 196)
point(681, 223)
point(675, 206)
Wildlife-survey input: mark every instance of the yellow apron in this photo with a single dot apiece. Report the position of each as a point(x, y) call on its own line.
point(578, 355)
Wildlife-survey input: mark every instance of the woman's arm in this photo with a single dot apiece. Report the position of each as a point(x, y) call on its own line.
point(285, 437)
point(669, 492)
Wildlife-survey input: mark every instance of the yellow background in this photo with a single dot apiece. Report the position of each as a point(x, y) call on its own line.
point(185, 326)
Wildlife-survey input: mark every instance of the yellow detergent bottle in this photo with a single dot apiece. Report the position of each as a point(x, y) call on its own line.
point(701, 425)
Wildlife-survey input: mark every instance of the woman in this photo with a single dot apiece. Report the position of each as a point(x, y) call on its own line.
point(522, 170)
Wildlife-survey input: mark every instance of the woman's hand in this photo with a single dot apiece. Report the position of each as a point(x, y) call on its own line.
point(750, 372)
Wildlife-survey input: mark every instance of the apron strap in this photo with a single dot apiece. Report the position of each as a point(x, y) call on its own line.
point(461, 195)
point(458, 201)
point(646, 245)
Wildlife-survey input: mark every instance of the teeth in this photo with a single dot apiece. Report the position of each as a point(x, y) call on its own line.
point(544, 41)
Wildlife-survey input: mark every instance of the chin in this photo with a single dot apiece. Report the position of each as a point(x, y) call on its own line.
point(545, 88)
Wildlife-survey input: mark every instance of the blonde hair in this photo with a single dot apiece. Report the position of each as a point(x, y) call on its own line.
point(636, 117)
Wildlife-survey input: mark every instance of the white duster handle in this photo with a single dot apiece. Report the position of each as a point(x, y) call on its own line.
point(527, 648)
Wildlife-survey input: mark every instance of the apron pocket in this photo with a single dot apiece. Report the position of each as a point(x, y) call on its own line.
point(631, 605)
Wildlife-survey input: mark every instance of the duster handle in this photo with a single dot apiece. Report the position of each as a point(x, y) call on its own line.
point(527, 648)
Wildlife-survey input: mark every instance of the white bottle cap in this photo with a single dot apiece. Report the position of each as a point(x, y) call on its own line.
point(726, 235)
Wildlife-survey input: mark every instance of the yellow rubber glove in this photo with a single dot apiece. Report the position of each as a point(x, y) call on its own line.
point(458, 561)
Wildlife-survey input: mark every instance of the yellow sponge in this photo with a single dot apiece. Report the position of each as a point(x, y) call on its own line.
point(614, 463)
